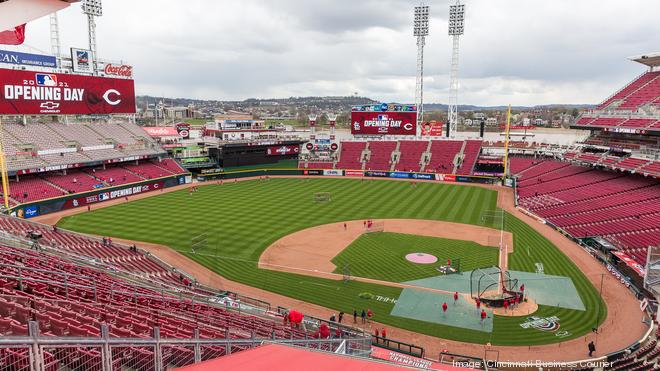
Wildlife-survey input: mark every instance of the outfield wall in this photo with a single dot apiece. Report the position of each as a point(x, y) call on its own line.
point(349, 173)
point(52, 205)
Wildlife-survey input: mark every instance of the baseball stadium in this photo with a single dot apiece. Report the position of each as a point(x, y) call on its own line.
point(395, 242)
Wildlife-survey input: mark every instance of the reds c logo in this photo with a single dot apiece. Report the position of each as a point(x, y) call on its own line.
point(108, 99)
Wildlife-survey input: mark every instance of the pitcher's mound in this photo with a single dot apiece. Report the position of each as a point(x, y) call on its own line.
point(421, 258)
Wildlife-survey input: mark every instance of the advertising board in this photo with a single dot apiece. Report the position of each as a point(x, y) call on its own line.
point(33, 93)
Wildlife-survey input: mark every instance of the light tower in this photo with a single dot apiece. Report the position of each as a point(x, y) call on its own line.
point(420, 30)
point(55, 38)
point(312, 126)
point(456, 19)
point(93, 9)
point(332, 121)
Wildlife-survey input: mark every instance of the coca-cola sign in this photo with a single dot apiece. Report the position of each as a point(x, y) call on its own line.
point(118, 70)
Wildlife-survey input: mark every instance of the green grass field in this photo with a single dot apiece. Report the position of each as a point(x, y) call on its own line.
point(244, 218)
point(382, 256)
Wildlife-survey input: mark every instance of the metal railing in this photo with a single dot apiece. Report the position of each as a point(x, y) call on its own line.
point(46, 353)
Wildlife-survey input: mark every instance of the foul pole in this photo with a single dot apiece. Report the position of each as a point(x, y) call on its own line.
point(3, 169)
point(506, 141)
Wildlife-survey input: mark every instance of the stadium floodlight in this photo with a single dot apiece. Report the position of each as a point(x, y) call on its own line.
point(92, 8)
point(420, 30)
point(456, 29)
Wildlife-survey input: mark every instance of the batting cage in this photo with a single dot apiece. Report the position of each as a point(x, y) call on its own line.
point(493, 286)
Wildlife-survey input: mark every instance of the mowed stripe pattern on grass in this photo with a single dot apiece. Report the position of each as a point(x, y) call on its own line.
point(382, 256)
point(241, 219)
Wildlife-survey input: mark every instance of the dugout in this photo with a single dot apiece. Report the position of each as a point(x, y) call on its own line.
point(246, 154)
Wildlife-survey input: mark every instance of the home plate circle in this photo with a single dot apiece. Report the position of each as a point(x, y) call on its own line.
point(421, 258)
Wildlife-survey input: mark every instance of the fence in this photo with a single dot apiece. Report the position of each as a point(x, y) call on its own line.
point(47, 353)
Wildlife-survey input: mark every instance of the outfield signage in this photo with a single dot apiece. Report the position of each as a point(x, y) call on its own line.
point(353, 173)
point(33, 93)
point(312, 172)
point(378, 174)
point(27, 59)
point(332, 172)
point(282, 150)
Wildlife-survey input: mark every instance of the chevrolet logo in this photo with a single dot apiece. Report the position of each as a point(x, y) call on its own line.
point(49, 105)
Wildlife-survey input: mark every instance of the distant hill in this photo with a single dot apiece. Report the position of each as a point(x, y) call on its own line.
point(331, 102)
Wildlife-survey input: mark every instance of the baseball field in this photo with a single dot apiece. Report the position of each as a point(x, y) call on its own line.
point(238, 221)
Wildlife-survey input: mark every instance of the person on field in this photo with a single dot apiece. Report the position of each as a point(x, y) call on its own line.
point(354, 316)
point(370, 315)
point(341, 316)
point(478, 303)
point(333, 318)
point(344, 226)
point(592, 348)
point(383, 333)
point(506, 304)
point(376, 333)
point(483, 316)
point(455, 297)
point(444, 308)
point(363, 315)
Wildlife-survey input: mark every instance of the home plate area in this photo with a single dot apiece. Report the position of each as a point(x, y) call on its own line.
point(422, 305)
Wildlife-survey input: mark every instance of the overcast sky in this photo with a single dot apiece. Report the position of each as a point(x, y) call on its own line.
point(522, 52)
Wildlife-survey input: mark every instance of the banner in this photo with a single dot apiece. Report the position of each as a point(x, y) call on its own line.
point(445, 177)
point(82, 60)
point(161, 131)
point(432, 129)
point(312, 172)
point(13, 37)
point(33, 93)
point(378, 174)
point(407, 360)
point(384, 123)
point(282, 150)
point(183, 130)
point(27, 59)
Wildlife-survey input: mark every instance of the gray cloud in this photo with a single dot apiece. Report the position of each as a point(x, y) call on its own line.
point(513, 51)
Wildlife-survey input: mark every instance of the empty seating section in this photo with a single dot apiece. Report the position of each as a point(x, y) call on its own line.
point(470, 153)
point(411, 154)
point(585, 121)
point(637, 123)
point(653, 168)
point(54, 184)
point(630, 89)
point(607, 121)
point(623, 209)
point(646, 94)
point(60, 144)
point(71, 298)
point(381, 155)
point(631, 163)
point(320, 165)
point(29, 189)
point(171, 166)
point(443, 153)
point(349, 156)
point(520, 164)
point(114, 175)
point(39, 135)
point(148, 170)
point(74, 181)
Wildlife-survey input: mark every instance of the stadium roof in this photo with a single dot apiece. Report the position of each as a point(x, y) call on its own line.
point(648, 59)
point(276, 357)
